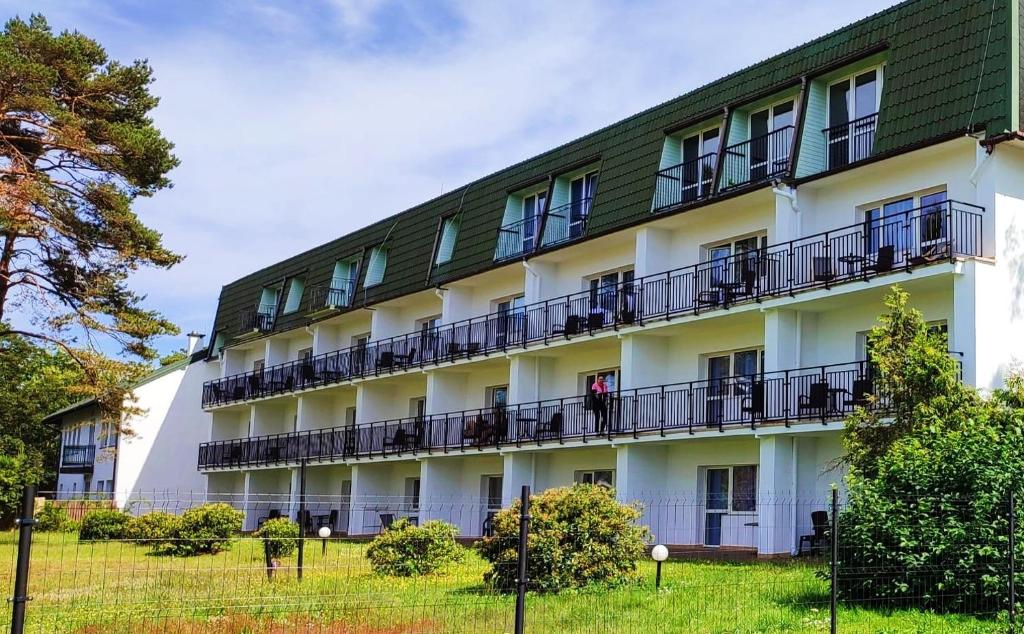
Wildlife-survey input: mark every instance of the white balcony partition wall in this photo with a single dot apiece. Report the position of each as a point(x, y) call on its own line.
point(320, 410)
point(519, 469)
point(231, 423)
point(267, 490)
point(380, 489)
point(451, 490)
point(274, 417)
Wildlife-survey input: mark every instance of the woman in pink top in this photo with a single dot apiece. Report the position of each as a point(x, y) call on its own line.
point(599, 403)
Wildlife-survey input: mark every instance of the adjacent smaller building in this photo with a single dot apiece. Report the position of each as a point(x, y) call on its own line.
point(98, 462)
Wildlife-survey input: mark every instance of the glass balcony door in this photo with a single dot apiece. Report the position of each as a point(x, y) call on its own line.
point(698, 160)
point(581, 193)
point(534, 207)
point(852, 109)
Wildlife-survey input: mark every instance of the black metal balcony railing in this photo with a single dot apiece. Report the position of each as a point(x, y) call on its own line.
point(257, 319)
point(517, 238)
point(756, 160)
point(903, 241)
point(337, 295)
point(78, 457)
point(850, 142)
point(685, 183)
point(566, 222)
point(820, 393)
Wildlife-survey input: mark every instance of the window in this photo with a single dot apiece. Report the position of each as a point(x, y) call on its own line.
point(610, 378)
point(304, 354)
point(412, 493)
point(581, 195)
point(770, 134)
point(294, 298)
point(612, 294)
point(852, 108)
point(511, 319)
point(350, 416)
point(418, 407)
point(258, 365)
point(343, 281)
point(534, 207)
point(497, 396)
point(602, 477)
point(892, 223)
point(446, 243)
point(377, 265)
point(698, 164)
point(492, 490)
point(732, 489)
point(268, 300)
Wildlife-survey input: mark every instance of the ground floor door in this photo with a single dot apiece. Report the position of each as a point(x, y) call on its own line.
point(346, 506)
point(716, 504)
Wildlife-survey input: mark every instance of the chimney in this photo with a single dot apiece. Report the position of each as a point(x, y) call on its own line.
point(193, 341)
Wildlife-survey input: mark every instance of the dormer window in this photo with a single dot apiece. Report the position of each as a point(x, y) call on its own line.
point(446, 241)
point(688, 163)
point(376, 266)
point(852, 117)
point(294, 298)
point(521, 223)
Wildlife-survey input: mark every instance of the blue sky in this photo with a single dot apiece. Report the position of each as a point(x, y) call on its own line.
point(299, 121)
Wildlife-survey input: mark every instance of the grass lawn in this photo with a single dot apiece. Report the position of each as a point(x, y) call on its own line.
point(119, 587)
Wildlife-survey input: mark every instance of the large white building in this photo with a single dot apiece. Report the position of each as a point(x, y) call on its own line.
point(718, 258)
point(150, 456)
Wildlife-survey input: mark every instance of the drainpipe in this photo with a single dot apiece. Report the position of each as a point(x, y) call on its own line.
point(788, 194)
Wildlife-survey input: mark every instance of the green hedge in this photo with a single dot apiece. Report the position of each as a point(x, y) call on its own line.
point(281, 536)
point(54, 519)
point(206, 529)
point(579, 535)
point(156, 530)
point(104, 524)
point(405, 550)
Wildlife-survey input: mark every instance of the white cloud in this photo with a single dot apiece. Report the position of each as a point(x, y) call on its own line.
point(288, 139)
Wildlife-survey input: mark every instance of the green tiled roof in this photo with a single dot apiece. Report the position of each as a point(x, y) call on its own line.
point(949, 66)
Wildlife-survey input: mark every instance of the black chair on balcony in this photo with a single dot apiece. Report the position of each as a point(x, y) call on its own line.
point(883, 262)
point(255, 385)
point(821, 268)
point(307, 374)
point(863, 389)
point(572, 326)
point(552, 428)
point(273, 514)
point(404, 360)
point(386, 520)
point(400, 441)
point(330, 520)
point(816, 400)
point(487, 530)
point(386, 359)
point(595, 320)
point(753, 404)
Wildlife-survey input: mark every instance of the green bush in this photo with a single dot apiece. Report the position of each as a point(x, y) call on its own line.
point(54, 519)
point(281, 534)
point(206, 529)
point(405, 550)
point(155, 529)
point(104, 524)
point(578, 536)
point(926, 524)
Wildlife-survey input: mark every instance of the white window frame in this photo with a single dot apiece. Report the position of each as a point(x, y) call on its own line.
point(732, 485)
point(446, 253)
point(293, 298)
point(864, 210)
point(849, 79)
point(579, 475)
point(375, 253)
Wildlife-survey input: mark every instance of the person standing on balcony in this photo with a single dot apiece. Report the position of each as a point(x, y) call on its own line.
point(599, 403)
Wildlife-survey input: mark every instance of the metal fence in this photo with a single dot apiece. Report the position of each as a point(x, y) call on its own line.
point(739, 561)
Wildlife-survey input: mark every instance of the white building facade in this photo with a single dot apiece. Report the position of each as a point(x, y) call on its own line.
point(144, 460)
point(728, 314)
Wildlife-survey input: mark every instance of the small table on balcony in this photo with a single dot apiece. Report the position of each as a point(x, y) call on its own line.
point(852, 260)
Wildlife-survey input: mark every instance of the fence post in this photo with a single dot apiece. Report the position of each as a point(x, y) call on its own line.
point(302, 517)
point(833, 573)
point(521, 580)
point(25, 523)
point(1012, 586)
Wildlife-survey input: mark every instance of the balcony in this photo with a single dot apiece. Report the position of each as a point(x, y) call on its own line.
point(517, 239)
point(685, 183)
point(820, 393)
point(899, 242)
point(335, 296)
point(757, 160)
point(850, 142)
point(257, 319)
point(567, 222)
point(77, 458)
